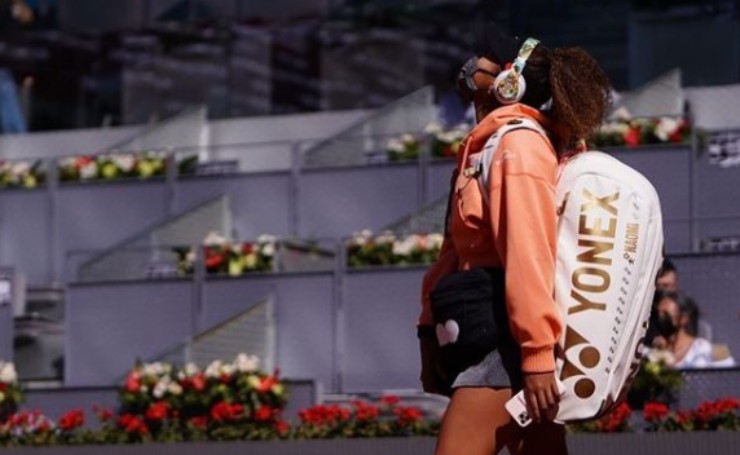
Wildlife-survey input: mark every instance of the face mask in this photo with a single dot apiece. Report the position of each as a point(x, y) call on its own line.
point(465, 83)
point(665, 325)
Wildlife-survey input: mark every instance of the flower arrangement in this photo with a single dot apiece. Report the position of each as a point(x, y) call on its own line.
point(11, 395)
point(223, 402)
point(223, 257)
point(655, 381)
point(405, 147)
point(113, 166)
point(364, 249)
point(22, 174)
point(623, 130)
point(721, 414)
point(363, 420)
point(445, 143)
point(618, 421)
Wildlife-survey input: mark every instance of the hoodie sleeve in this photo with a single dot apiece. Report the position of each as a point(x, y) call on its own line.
point(524, 223)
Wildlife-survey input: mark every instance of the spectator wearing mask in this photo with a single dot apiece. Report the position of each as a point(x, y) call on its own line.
point(677, 327)
point(667, 277)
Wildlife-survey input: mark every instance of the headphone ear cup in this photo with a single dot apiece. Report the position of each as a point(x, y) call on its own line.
point(509, 87)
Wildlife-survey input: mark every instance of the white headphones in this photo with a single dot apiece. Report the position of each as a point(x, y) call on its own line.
point(510, 86)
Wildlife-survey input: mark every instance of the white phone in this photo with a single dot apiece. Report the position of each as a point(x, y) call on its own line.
point(517, 406)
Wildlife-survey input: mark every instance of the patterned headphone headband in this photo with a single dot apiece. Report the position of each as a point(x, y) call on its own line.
point(524, 52)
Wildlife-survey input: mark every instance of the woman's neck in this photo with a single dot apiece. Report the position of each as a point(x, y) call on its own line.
point(680, 343)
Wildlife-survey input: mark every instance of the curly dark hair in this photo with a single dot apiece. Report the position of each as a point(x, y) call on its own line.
point(578, 86)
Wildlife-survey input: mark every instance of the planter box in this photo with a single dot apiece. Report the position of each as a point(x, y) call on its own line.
point(714, 443)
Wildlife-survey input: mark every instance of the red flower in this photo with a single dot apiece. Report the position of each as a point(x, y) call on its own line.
point(133, 383)
point(654, 412)
point(72, 420)
point(214, 261)
point(199, 422)
point(677, 135)
point(266, 384)
point(3, 387)
point(632, 136)
point(223, 412)
point(199, 382)
point(158, 411)
point(132, 424)
point(407, 415)
point(390, 400)
point(282, 426)
point(616, 420)
point(365, 412)
point(83, 160)
point(247, 248)
point(104, 415)
point(264, 413)
point(728, 404)
point(324, 415)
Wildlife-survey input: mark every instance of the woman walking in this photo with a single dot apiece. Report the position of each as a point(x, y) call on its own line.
point(507, 226)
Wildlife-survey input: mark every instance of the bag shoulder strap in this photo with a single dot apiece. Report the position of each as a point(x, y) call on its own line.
point(491, 147)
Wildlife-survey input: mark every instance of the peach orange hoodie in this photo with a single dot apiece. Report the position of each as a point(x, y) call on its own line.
point(516, 230)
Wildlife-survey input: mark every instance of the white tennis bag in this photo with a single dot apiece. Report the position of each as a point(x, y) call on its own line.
point(610, 242)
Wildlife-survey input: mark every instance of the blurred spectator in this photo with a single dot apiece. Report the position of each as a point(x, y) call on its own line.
point(667, 277)
point(667, 280)
point(14, 13)
point(677, 328)
point(11, 117)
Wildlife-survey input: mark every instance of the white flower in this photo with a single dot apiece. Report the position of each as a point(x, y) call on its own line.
point(8, 374)
point(408, 139)
point(191, 369)
point(246, 364)
point(68, 162)
point(215, 239)
point(89, 170)
point(190, 256)
point(666, 127)
point(395, 145)
point(144, 389)
point(266, 238)
point(160, 389)
point(361, 238)
point(404, 247)
point(622, 114)
point(661, 356)
point(156, 369)
point(124, 161)
point(433, 128)
point(21, 168)
point(175, 389)
point(620, 128)
point(214, 369)
point(268, 249)
point(250, 261)
point(386, 237)
point(434, 240)
point(227, 369)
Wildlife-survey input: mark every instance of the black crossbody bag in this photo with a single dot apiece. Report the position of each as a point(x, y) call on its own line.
point(468, 308)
